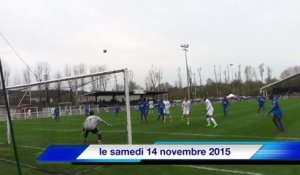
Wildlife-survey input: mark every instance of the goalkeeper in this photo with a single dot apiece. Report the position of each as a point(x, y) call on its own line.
point(90, 125)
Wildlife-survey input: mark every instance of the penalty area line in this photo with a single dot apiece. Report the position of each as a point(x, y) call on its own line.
point(219, 170)
point(32, 167)
point(26, 146)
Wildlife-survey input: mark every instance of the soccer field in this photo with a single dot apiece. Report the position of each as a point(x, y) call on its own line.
point(242, 124)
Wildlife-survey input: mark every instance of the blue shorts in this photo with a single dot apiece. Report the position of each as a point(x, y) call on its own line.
point(261, 105)
point(277, 114)
point(143, 114)
point(161, 113)
point(226, 108)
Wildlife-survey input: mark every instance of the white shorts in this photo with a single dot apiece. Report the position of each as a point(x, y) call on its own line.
point(186, 112)
point(168, 111)
point(210, 112)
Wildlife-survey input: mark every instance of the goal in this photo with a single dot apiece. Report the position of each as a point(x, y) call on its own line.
point(72, 95)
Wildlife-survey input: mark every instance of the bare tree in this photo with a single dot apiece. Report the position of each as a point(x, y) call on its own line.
point(68, 73)
point(261, 71)
point(200, 77)
point(130, 75)
point(219, 74)
point(103, 79)
point(42, 72)
point(38, 71)
point(248, 73)
point(154, 78)
point(226, 77)
point(93, 69)
point(58, 85)
point(26, 76)
point(46, 77)
point(269, 75)
point(99, 82)
point(228, 74)
point(290, 71)
point(159, 77)
point(195, 85)
point(216, 79)
point(209, 82)
point(82, 71)
point(17, 79)
point(76, 72)
point(253, 73)
point(239, 76)
point(132, 85)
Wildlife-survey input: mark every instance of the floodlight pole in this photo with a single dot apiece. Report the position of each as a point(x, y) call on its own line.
point(185, 49)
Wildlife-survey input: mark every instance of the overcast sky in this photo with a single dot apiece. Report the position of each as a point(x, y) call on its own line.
point(139, 33)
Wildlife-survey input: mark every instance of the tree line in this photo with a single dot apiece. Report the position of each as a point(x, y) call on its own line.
point(243, 81)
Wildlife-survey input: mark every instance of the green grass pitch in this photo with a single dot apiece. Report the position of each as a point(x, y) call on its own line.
point(242, 124)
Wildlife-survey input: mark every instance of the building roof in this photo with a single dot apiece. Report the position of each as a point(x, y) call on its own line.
point(280, 81)
point(121, 93)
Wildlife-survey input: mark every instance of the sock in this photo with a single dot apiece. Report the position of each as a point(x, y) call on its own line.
point(280, 124)
point(213, 120)
point(276, 123)
point(100, 138)
point(208, 121)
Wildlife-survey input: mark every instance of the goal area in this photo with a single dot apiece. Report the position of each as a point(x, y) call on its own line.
point(70, 96)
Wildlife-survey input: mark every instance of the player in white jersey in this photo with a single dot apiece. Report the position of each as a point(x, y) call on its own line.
point(90, 125)
point(167, 110)
point(151, 106)
point(186, 107)
point(210, 113)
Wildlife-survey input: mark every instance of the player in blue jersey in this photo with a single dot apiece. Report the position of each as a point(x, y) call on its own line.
point(161, 110)
point(261, 103)
point(144, 109)
point(56, 114)
point(86, 110)
point(117, 109)
point(147, 109)
point(225, 104)
point(277, 114)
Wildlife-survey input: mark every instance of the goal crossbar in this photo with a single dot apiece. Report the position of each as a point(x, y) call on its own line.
point(65, 79)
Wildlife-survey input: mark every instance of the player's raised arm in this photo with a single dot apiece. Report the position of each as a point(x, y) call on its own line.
point(104, 122)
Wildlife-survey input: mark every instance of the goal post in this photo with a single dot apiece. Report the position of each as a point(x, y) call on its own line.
point(83, 78)
point(128, 116)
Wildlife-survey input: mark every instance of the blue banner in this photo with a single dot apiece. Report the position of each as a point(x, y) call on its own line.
point(174, 152)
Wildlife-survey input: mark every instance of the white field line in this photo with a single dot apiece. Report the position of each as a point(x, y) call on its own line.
point(90, 170)
point(26, 146)
point(189, 134)
point(219, 170)
point(36, 168)
point(22, 164)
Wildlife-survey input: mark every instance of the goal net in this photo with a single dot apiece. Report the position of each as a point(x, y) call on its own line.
point(34, 106)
